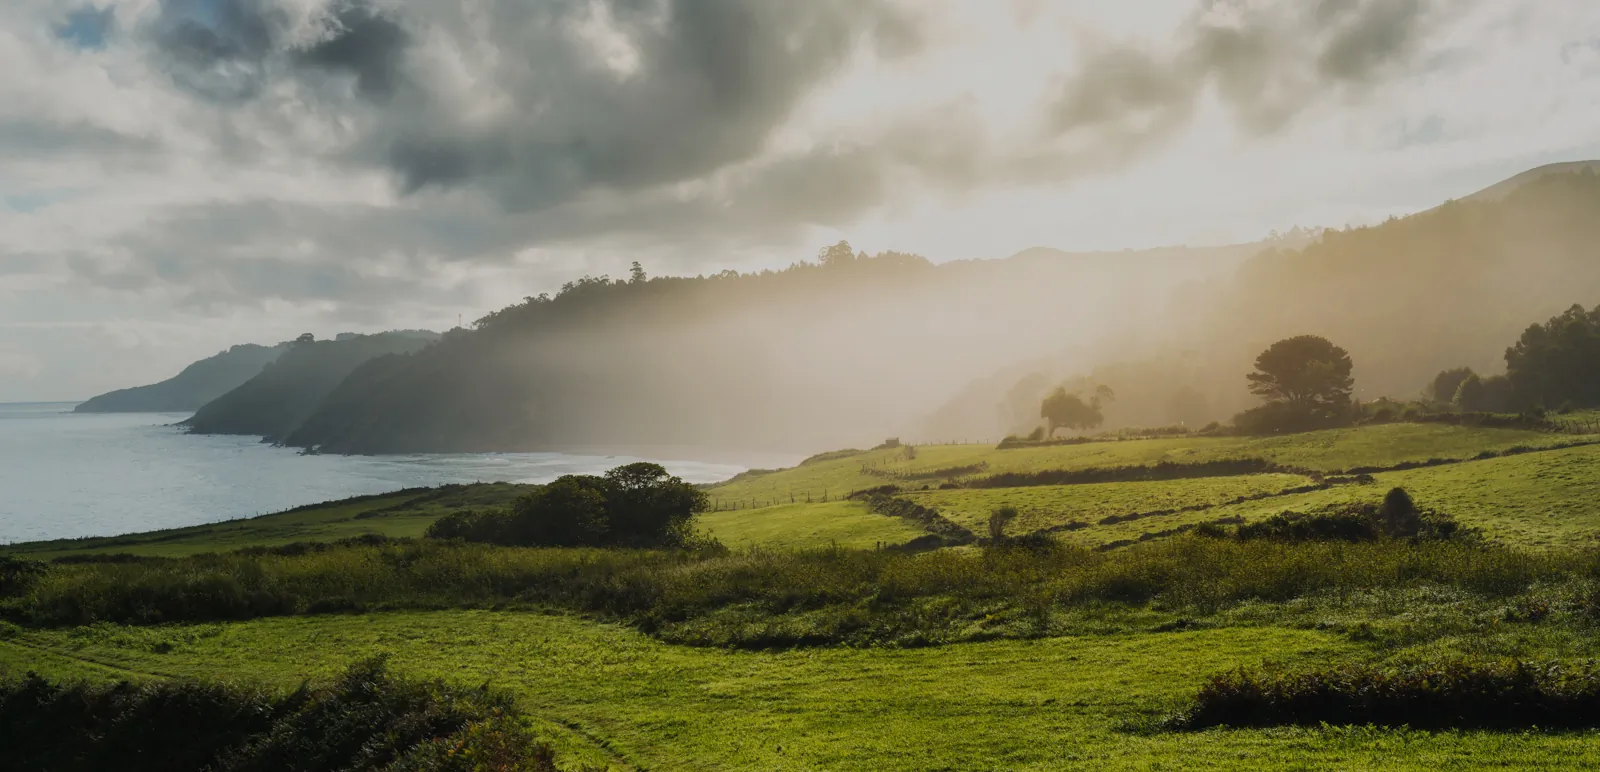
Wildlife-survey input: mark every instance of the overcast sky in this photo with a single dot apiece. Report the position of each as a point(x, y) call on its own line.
point(180, 175)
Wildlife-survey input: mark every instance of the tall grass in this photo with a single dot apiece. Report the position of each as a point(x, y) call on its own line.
point(366, 719)
point(709, 598)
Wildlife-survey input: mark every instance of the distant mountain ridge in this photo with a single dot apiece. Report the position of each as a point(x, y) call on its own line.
point(1503, 188)
point(196, 385)
point(278, 398)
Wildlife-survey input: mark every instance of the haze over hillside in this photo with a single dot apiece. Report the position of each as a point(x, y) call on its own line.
point(196, 385)
point(852, 348)
point(278, 398)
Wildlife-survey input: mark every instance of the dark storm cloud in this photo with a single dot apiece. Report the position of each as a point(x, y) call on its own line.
point(707, 83)
point(362, 41)
point(222, 50)
point(1266, 64)
point(507, 124)
point(1370, 39)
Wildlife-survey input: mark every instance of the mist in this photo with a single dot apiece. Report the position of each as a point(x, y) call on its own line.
point(849, 349)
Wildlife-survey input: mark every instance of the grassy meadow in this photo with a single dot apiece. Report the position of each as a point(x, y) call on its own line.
point(403, 514)
point(607, 696)
point(799, 645)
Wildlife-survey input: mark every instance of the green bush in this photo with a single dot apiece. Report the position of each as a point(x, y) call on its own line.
point(1398, 517)
point(637, 505)
point(1454, 694)
point(365, 719)
point(1285, 418)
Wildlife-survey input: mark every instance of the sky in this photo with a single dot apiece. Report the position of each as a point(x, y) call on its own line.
point(177, 176)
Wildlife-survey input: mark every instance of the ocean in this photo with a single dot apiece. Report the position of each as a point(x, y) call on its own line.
point(65, 475)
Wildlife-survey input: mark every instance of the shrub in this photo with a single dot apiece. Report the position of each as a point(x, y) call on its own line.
point(633, 505)
point(998, 520)
point(1396, 518)
point(366, 719)
point(1454, 694)
point(1287, 418)
point(17, 574)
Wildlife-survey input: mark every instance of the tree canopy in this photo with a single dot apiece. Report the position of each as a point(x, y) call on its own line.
point(1558, 362)
point(1306, 372)
point(636, 505)
point(1065, 410)
point(1447, 383)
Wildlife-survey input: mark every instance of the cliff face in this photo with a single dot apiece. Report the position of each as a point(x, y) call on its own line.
point(278, 398)
point(185, 392)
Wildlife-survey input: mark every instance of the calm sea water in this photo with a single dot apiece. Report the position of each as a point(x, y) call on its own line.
point(66, 475)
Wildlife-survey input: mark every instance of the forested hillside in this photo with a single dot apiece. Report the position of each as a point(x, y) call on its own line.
point(196, 385)
point(815, 355)
point(852, 348)
point(280, 396)
point(1449, 287)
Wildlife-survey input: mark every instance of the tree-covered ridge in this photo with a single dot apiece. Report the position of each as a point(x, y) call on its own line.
point(279, 397)
point(849, 347)
point(196, 385)
point(1408, 298)
point(800, 358)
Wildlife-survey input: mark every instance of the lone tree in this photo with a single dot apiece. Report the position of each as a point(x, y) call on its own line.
point(1065, 410)
point(1305, 372)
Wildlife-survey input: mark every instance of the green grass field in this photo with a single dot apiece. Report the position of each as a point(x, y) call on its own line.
point(608, 695)
point(1545, 499)
point(1047, 506)
point(1330, 450)
point(1537, 499)
point(399, 515)
point(799, 526)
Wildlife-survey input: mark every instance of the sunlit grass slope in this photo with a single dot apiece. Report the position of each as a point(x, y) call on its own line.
point(1545, 499)
point(1050, 506)
point(1331, 450)
point(402, 514)
point(605, 694)
point(845, 523)
point(1537, 499)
